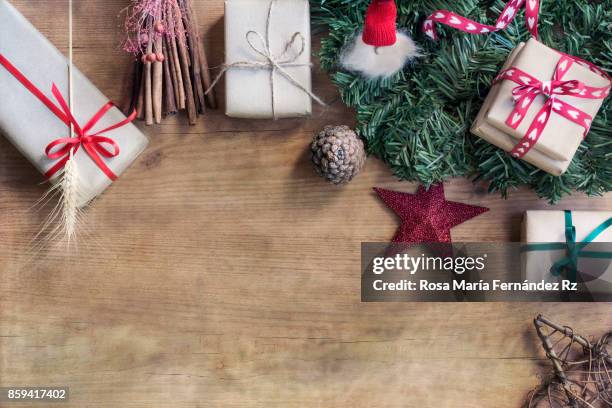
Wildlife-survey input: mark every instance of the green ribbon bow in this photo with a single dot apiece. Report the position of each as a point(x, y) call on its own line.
point(574, 250)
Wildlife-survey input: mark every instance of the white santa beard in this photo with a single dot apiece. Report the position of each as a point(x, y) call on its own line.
point(374, 62)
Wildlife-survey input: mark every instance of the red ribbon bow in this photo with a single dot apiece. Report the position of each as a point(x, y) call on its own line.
point(529, 88)
point(93, 144)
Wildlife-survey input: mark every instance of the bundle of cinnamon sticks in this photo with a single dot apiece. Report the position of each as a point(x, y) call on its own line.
point(171, 71)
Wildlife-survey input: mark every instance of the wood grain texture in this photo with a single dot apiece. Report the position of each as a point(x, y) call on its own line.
point(220, 271)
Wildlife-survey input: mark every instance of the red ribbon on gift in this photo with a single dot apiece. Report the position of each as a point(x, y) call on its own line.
point(61, 149)
point(530, 87)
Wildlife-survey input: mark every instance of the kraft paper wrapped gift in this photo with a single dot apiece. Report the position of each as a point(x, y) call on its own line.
point(248, 90)
point(560, 139)
point(31, 126)
point(542, 228)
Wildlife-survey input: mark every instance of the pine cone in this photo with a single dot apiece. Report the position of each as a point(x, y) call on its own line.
point(338, 154)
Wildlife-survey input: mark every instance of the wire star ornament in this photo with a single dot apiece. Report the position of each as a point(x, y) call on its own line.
point(426, 216)
point(582, 369)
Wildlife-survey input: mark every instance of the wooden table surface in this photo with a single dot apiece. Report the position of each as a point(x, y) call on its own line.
point(219, 271)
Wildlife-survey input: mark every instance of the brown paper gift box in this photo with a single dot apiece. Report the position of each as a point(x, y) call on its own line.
point(248, 91)
point(559, 141)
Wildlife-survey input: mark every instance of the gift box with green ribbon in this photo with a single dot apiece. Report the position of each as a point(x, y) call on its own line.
point(569, 245)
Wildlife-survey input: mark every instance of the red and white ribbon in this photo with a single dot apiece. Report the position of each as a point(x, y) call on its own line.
point(529, 88)
point(470, 26)
point(464, 24)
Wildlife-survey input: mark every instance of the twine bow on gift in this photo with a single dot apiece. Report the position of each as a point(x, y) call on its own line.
point(64, 148)
point(573, 249)
point(529, 88)
point(275, 63)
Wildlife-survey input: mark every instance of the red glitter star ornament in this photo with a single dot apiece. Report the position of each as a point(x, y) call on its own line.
point(427, 216)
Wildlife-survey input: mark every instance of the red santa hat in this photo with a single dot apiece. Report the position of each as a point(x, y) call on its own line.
point(379, 28)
